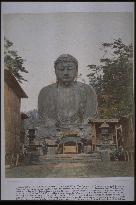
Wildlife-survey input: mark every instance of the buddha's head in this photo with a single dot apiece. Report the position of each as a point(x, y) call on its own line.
point(66, 69)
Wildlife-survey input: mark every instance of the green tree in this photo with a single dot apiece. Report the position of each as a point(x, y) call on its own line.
point(13, 61)
point(113, 79)
point(33, 119)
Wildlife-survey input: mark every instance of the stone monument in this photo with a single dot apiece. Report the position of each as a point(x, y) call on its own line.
point(66, 104)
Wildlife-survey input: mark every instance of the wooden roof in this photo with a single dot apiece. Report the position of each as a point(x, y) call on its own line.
point(24, 115)
point(13, 83)
point(70, 133)
point(104, 120)
point(70, 139)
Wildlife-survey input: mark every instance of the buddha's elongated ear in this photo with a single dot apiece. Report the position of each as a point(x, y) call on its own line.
point(75, 79)
point(57, 81)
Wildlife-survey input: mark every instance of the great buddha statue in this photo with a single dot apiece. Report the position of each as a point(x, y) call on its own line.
point(66, 102)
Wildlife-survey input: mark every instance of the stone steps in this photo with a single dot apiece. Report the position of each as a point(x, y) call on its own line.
point(70, 158)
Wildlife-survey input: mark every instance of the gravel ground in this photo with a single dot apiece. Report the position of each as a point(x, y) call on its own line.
point(75, 169)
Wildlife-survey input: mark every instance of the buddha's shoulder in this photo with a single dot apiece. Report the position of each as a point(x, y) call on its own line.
point(85, 87)
point(48, 89)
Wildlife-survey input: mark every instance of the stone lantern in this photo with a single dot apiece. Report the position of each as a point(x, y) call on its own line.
point(33, 152)
point(31, 136)
point(105, 132)
point(105, 141)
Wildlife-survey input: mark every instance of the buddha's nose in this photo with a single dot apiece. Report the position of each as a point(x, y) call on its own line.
point(66, 71)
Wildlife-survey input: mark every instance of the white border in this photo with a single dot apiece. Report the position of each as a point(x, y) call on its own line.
point(8, 190)
point(47, 7)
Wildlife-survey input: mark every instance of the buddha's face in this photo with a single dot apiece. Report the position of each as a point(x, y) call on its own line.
point(66, 72)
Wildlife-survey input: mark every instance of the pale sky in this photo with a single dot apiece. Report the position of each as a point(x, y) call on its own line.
point(41, 38)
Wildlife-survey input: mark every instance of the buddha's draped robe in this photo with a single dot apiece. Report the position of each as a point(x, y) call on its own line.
point(64, 105)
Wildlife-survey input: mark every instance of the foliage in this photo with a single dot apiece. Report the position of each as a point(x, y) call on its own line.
point(117, 155)
point(33, 120)
point(13, 61)
point(113, 79)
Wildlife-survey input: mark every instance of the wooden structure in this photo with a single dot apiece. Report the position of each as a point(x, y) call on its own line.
point(121, 135)
point(69, 143)
point(97, 139)
point(109, 137)
point(12, 102)
point(76, 143)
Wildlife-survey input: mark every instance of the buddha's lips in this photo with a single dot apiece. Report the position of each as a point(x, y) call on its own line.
point(66, 77)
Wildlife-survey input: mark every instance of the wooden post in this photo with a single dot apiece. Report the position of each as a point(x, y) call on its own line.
point(12, 160)
point(58, 149)
point(62, 148)
point(116, 136)
point(76, 147)
point(127, 155)
point(94, 134)
point(17, 160)
point(132, 128)
point(132, 155)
